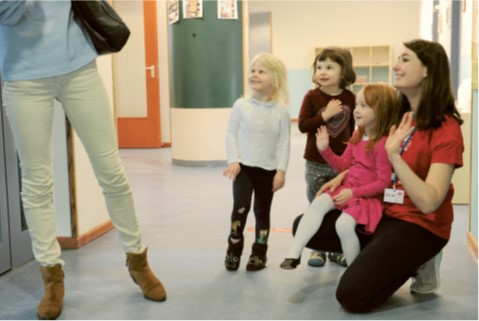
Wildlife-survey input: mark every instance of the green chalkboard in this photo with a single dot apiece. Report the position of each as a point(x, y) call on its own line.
point(206, 60)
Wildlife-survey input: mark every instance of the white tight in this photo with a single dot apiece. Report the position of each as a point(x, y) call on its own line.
point(29, 107)
point(346, 229)
point(311, 221)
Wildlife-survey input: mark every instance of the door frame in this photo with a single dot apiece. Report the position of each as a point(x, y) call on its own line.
point(145, 132)
point(5, 256)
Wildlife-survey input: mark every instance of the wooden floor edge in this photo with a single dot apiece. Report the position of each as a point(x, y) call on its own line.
point(472, 243)
point(76, 243)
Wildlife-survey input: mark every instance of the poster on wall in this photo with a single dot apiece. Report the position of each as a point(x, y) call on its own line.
point(173, 11)
point(192, 9)
point(227, 9)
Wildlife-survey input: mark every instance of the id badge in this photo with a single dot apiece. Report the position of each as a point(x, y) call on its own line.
point(395, 196)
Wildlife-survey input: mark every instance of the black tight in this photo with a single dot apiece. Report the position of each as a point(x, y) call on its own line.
point(259, 181)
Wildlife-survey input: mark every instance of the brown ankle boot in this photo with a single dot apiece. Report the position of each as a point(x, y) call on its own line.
point(51, 304)
point(142, 275)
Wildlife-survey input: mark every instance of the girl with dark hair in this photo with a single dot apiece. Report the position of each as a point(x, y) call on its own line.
point(330, 104)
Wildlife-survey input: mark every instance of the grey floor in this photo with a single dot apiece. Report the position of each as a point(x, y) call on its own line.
point(184, 214)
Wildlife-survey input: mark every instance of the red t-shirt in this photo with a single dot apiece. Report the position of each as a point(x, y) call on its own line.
point(441, 145)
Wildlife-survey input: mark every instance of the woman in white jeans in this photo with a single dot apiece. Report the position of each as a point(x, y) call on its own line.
point(45, 56)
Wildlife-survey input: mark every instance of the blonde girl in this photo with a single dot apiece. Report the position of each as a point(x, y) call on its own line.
point(258, 144)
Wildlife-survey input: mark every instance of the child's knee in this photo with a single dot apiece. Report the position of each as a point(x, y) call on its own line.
point(345, 225)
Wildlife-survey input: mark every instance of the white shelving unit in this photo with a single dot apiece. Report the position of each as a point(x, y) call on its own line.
point(372, 64)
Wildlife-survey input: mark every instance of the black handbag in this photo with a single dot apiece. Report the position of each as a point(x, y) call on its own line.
point(106, 29)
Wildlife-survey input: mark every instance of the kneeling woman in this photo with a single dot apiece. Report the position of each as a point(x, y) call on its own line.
point(424, 150)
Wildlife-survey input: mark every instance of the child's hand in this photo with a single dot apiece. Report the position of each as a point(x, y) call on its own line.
point(333, 184)
point(342, 197)
point(278, 181)
point(322, 138)
point(232, 171)
point(333, 108)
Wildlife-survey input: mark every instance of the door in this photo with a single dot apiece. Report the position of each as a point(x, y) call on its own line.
point(135, 69)
point(15, 244)
point(259, 33)
point(5, 260)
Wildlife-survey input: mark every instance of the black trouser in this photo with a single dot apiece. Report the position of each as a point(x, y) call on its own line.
point(387, 260)
point(259, 181)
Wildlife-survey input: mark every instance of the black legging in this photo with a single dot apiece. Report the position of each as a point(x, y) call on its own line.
point(387, 260)
point(260, 182)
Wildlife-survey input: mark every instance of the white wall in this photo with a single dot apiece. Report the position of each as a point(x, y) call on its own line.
point(465, 60)
point(300, 26)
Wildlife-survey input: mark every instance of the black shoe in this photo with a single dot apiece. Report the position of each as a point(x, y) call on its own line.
point(256, 263)
point(290, 264)
point(232, 261)
point(257, 259)
point(233, 255)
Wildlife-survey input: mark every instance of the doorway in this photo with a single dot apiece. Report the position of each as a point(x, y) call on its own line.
point(136, 77)
point(259, 33)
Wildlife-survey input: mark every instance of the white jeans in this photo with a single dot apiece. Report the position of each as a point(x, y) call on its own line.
point(29, 108)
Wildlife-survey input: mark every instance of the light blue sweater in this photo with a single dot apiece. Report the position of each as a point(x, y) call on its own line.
point(258, 134)
point(40, 39)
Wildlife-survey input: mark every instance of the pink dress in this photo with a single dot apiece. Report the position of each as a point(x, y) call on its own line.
point(369, 174)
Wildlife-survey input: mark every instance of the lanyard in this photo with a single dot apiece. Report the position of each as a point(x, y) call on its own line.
point(406, 142)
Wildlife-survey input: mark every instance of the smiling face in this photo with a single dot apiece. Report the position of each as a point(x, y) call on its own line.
point(261, 82)
point(328, 75)
point(364, 115)
point(409, 72)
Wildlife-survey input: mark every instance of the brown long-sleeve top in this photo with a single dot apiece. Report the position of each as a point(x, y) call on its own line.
point(340, 127)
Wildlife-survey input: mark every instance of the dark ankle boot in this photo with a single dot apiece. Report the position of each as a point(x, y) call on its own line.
point(142, 275)
point(233, 254)
point(257, 259)
point(51, 304)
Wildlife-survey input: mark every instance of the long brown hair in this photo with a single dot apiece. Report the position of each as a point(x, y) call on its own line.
point(383, 99)
point(437, 98)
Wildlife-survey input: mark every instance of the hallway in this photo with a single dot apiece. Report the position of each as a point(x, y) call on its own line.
point(184, 214)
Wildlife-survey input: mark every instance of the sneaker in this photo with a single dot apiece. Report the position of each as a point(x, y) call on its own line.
point(338, 258)
point(427, 279)
point(290, 264)
point(317, 259)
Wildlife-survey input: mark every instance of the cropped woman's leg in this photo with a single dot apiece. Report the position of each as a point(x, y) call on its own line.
point(393, 254)
point(29, 108)
point(88, 109)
